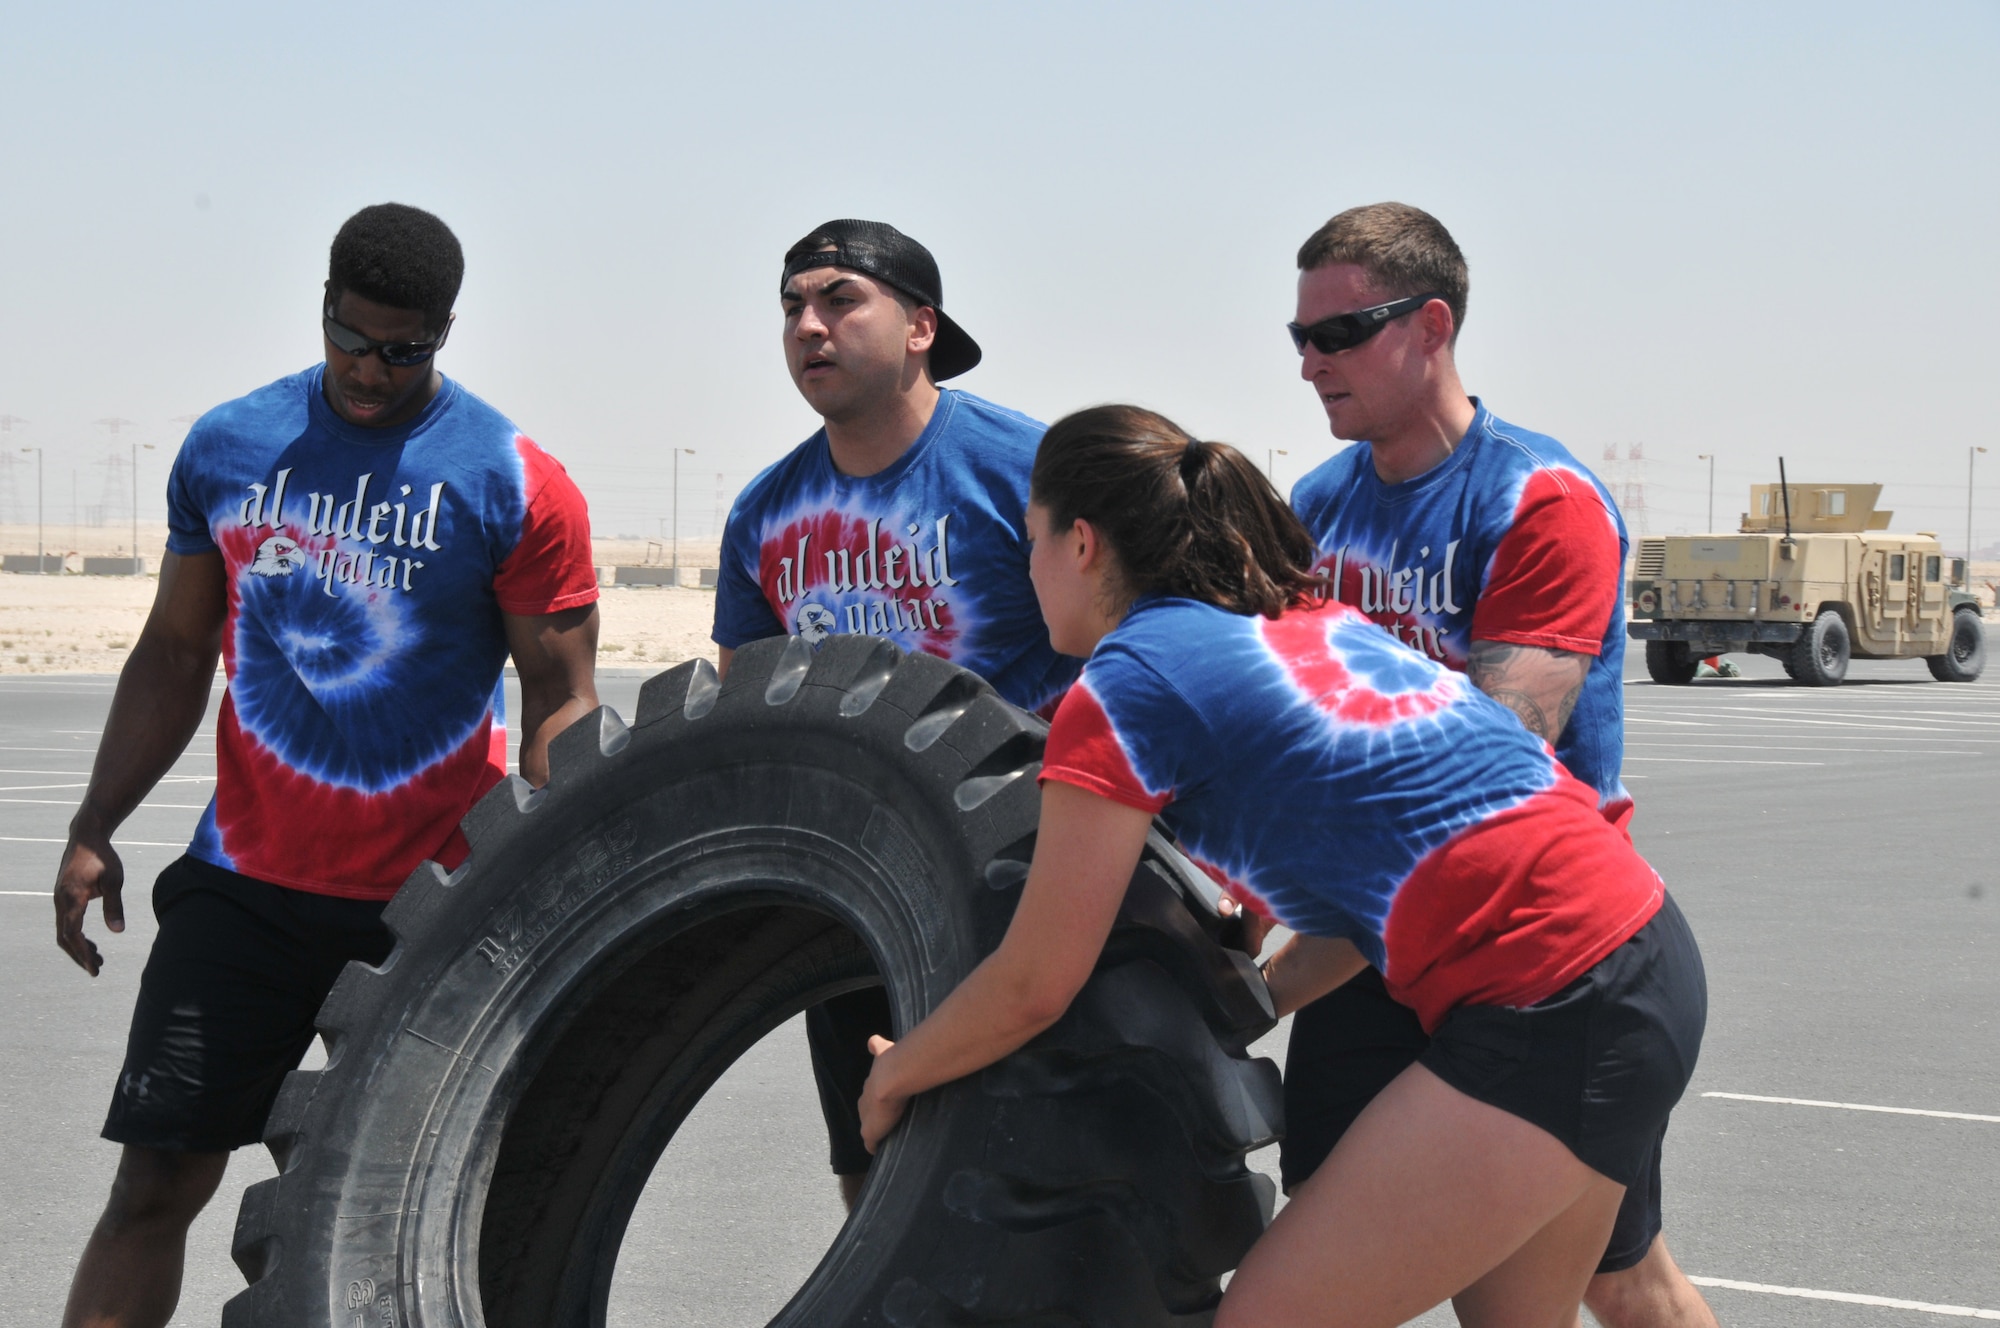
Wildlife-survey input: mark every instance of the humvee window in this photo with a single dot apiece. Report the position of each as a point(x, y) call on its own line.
point(1933, 566)
point(1895, 567)
point(1836, 502)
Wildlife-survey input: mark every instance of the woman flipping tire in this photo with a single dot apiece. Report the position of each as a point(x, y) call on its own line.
point(497, 1092)
point(1392, 816)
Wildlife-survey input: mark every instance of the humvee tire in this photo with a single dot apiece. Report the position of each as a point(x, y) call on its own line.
point(497, 1092)
point(1670, 663)
point(1965, 656)
point(1819, 656)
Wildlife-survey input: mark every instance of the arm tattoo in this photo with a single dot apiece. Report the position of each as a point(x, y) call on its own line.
point(1525, 710)
point(1540, 686)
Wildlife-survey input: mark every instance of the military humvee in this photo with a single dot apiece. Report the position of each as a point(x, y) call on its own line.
point(1811, 578)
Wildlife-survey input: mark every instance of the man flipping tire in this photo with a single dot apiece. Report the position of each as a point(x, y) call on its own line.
point(364, 544)
point(1492, 550)
point(903, 517)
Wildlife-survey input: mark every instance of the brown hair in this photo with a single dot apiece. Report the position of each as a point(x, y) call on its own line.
point(1403, 249)
point(1183, 517)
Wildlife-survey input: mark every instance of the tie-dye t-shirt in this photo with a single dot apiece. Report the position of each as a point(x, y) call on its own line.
point(931, 553)
point(368, 570)
point(1509, 539)
point(1345, 786)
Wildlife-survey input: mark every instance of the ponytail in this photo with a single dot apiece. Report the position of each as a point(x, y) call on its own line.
point(1185, 517)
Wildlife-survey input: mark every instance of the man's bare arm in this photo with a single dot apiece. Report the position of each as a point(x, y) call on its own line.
point(162, 695)
point(556, 656)
point(1538, 684)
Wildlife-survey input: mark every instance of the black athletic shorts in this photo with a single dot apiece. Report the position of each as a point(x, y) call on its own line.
point(226, 1003)
point(837, 1033)
point(1599, 1065)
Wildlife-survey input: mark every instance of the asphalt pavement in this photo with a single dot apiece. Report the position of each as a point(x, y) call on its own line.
point(1840, 1144)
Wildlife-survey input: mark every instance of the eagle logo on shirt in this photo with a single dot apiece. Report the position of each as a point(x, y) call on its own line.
point(277, 556)
point(815, 622)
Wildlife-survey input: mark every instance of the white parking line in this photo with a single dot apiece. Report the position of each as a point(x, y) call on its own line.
point(116, 842)
point(165, 779)
point(1975, 714)
point(1717, 760)
point(1859, 726)
point(71, 802)
point(1847, 1297)
point(1779, 747)
point(70, 751)
point(1856, 1106)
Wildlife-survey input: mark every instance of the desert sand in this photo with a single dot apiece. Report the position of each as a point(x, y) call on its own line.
point(87, 624)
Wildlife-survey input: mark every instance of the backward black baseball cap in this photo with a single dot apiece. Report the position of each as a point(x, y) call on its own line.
point(893, 258)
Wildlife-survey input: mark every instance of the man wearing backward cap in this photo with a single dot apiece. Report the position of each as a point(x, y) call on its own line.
point(904, 517)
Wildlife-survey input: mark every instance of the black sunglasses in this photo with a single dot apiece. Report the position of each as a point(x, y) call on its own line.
point(401, 354)
point(1330, 336)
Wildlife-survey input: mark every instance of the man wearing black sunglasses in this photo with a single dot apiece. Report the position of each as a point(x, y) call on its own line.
point(365, 545)
point(1493, 550)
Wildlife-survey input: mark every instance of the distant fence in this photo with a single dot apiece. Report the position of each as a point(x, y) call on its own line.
point(56, 564)
point(647, 574)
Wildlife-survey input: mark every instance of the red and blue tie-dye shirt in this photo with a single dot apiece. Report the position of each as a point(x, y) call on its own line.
point(931, 552)
point(1509, 539)
point(368, 570)
point(1345, 786)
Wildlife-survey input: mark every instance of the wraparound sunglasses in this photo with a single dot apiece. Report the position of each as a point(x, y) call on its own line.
point(1330, 336)
point(402, 354)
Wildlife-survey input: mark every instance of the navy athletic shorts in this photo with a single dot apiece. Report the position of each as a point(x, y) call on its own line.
point(226, 1004)
point(837, 1033)
point(1599, 1065)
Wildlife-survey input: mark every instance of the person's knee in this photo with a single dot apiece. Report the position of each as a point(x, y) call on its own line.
point(155, 1188)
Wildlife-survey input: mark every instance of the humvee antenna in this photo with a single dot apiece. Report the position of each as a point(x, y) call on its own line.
point(1785, 492)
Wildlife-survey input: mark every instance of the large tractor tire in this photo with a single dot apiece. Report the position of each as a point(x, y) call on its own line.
point(1819, 656)
point(497, 1092)
point(1670, 663)
point(1964, 658)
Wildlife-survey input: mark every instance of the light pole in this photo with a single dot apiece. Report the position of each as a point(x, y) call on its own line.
point(1971, 455)
point(677, 509)
point(1271, 455)
point(138, 567)
point(1709, 457)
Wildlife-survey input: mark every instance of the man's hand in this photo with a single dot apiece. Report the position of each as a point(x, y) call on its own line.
point(1255, 926)
point(90, 870)
point(555, 655)
point(880, 1109)
point(1307, 968)
point(1539, 685)
point(162, 694)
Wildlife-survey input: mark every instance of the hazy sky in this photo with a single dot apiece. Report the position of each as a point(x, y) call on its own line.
point(1748, 229)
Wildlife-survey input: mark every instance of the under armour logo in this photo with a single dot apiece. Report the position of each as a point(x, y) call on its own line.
point(136, 1085)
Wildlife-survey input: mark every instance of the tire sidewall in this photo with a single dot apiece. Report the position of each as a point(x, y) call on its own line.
point(1827, 634)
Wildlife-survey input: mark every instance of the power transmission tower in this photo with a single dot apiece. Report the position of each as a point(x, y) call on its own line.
point(1627, 481)
point(9, 423)
point(721, 508)
point(9, 492)
point(117, 485)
